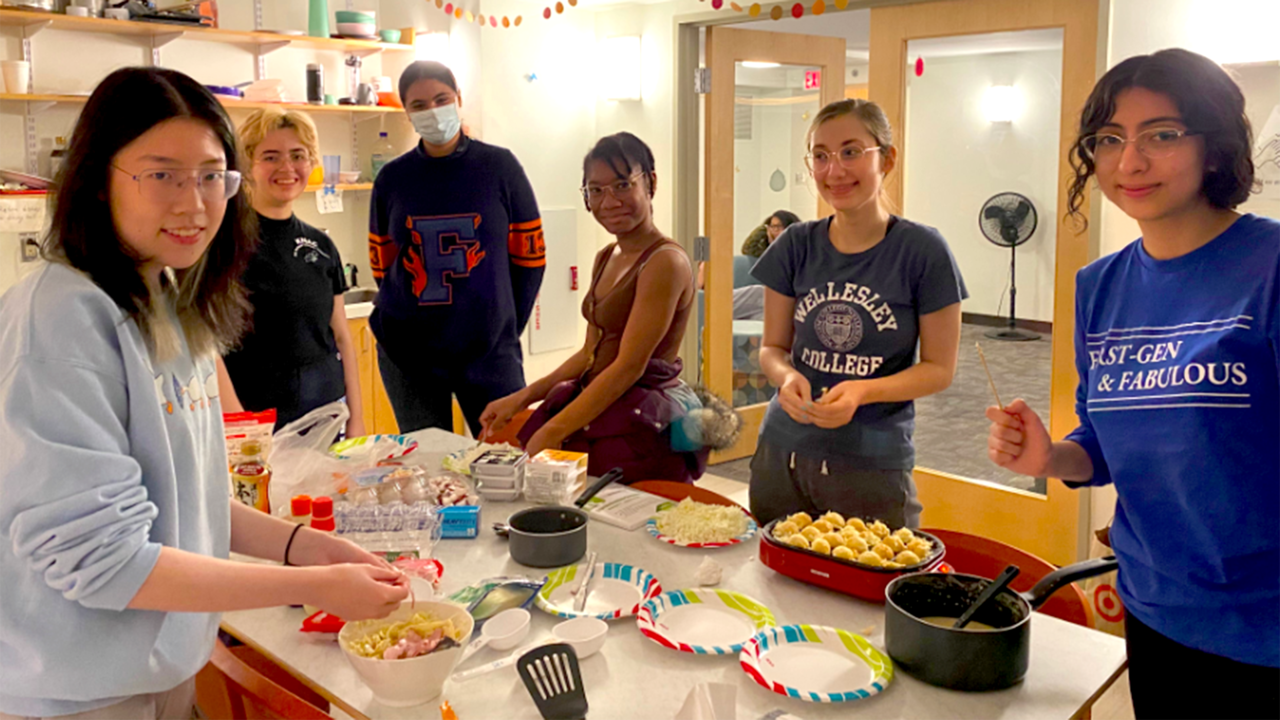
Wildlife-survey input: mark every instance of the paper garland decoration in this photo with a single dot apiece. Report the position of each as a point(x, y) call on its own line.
point(797, 11)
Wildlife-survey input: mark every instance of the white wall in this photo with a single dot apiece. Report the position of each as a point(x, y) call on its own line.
point(958, 159)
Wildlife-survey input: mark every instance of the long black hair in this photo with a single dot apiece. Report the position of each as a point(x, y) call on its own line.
point(1211, 105)
point(625, 154)
point(426, 70)
point(209, 300)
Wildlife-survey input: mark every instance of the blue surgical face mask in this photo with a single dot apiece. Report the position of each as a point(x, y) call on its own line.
point(438, 125)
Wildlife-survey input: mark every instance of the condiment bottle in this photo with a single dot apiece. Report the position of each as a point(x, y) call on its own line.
point(322, 514)
point(251, 476)
point(300, 509)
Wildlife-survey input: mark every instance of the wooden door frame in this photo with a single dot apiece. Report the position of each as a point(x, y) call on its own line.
point(725, 47)
point(1053, 526)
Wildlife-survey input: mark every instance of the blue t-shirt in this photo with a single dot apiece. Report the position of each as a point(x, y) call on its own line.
point(857, 317)
point(1179, 406)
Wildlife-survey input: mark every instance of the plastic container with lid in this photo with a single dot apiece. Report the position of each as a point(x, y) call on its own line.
point(300, 509)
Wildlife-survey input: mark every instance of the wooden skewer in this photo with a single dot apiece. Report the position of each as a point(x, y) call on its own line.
point(992, 382)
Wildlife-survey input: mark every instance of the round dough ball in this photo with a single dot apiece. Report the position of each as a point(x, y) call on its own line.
point(823, 526)
point(858, 545)
point(879, 529)
point(801, 519)
point(907, 558)
point(821, 546)
point(892, 564)
point(811, 533)
point(920, 547)
point(884, 551)
point(835, 518)
point(894, 543)
point(857, 524)
point(870, 539)
point(834, 540)
point(785, 529)
point(799, 541)
point(870, 559)
point(904, 534)
point(844, 553)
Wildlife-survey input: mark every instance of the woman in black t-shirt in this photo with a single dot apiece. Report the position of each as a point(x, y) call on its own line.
point(299, 355)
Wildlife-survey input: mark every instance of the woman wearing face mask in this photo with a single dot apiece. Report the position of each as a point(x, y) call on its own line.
point(299, 355)
point(113, 479)
point(1178, 353)
point(849, 299)
point(455, 241)
point(613, 398)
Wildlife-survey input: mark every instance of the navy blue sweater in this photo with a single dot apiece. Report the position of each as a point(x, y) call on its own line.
point(456, 246)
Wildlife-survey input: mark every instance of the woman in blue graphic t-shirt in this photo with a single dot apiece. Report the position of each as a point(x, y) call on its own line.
point(1178, 353)
point(848, 300)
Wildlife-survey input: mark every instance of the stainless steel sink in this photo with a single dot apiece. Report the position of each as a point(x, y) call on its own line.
point(359, 295)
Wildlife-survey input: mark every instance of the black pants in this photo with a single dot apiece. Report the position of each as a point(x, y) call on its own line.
point(425, 399)
point(1168, 680)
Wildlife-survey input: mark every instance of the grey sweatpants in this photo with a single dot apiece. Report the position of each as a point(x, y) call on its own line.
point(783, 482)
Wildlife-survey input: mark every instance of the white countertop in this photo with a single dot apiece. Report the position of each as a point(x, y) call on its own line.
point(633, 677)
point(355, 311)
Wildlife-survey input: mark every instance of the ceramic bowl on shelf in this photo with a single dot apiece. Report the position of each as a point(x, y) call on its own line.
point(353, 16)
point(358, 29)
point(349, 177)
point(389, 36)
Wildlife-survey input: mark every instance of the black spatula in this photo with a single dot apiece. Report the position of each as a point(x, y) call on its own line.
point(551, 675)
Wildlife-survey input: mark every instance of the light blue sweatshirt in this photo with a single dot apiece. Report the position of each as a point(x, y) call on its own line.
point(107, 457)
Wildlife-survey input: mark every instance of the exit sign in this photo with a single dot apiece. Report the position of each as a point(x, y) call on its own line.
point(812, 79)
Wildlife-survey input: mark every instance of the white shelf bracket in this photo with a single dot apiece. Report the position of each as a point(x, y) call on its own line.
point(31, 30)
point(260, 57)
point(159, 41)
point(37, 107)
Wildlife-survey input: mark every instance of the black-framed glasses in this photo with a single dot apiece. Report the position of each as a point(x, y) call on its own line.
point(820, 160)
point(1155, 143)
point(595, 193)
point(165, 186)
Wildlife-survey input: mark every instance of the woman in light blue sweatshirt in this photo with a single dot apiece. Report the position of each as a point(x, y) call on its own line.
point(115, 515)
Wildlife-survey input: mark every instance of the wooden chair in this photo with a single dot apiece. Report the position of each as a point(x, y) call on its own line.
point(240, 684)
point(974, 555)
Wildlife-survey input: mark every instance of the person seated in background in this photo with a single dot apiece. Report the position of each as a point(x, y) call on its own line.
point(299, 355)
point(616, 397)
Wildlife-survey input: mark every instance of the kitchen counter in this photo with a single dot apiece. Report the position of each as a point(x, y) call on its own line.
point(633, 677)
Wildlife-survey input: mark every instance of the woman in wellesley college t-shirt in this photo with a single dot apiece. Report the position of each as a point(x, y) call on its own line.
point(848, 299)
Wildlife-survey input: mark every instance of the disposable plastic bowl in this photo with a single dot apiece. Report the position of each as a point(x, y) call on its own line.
point(412, 681)
point(585, 634)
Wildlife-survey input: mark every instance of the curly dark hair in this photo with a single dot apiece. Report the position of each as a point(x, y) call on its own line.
point(1211, 105)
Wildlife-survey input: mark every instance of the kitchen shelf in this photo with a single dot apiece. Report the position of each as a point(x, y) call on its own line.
point(343, 186)
point(226, 102)
point(166, 31)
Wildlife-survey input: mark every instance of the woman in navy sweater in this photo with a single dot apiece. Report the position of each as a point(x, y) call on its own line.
point(1178, 352)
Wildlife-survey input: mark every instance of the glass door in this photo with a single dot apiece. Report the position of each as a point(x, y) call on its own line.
point(765, 89)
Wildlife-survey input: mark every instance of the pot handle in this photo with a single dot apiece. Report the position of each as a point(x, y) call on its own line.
point(1065, 575)
point(614, 474)
point(502, 530)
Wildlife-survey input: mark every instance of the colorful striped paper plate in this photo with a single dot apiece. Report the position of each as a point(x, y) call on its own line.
point(617, 591)
point(816, 663)
point(652, 526)
point(702, 621)
point(395, 446)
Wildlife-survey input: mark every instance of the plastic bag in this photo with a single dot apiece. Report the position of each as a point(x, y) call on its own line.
point(1108, 611)
point(300, 458)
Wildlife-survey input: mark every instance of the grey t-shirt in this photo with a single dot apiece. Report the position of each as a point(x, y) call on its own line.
point(857, 317)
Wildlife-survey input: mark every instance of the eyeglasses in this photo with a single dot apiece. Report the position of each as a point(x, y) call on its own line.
point(165, 186)
point(297, 158)
point(1155, 144)
point(820, 160)
point(595, 193)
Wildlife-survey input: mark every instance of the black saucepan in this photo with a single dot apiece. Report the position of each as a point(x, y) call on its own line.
point(973, 658)
point(553, 535)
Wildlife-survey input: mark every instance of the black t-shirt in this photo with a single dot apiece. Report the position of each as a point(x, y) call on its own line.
point(290, 355)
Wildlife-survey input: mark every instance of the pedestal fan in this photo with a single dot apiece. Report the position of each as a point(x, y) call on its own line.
point(1008, 220)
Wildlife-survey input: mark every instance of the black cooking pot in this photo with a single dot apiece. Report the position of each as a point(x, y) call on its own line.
point(971, 658)
point(551, 536)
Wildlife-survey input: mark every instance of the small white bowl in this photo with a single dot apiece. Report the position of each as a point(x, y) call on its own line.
point(506, 629)
point(349, 177)
point(412, 681)
point(358, 29)
point(585, 634)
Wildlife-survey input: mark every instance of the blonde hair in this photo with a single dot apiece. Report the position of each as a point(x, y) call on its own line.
point(261, 122)
point(872, 118)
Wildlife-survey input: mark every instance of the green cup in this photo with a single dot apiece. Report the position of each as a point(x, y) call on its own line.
point(330, 99)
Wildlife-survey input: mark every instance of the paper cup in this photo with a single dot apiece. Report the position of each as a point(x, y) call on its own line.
point(17, 76)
